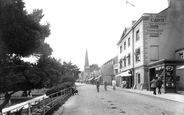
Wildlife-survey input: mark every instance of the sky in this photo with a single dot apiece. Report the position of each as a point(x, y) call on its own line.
point(92, 25)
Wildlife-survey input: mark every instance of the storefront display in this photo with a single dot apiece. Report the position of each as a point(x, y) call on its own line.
point(166, 69)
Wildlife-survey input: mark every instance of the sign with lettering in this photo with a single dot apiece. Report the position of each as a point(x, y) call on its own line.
point(169, 68)
point(155, 25)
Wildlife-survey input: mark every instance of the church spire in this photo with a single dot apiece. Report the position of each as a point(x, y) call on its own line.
point(86, 64)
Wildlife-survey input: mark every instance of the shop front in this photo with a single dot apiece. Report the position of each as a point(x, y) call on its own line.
point(166, 69)
point(125, 79)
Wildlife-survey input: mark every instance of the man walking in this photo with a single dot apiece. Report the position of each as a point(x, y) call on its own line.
point(114, 84)
point(159, 84)
point(97, 85)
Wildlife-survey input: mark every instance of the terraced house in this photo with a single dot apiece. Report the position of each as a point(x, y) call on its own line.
point(154, 46)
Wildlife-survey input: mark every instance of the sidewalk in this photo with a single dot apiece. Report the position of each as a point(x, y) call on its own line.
point(169, 96)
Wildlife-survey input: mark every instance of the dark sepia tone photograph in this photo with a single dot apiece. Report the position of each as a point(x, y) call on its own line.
point(91, 57)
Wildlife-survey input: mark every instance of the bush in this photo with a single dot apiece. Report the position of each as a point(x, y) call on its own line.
point(59, 87)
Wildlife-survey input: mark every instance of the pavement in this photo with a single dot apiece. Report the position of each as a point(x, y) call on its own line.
point(167, 96)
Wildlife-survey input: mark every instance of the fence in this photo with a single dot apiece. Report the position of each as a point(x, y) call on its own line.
point(39, 105)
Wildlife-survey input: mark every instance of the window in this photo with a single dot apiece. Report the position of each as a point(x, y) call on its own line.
point(128, 42)
point(181, 55)
point(124, 61)
point(124, 45)
point(137, 35)
point(120, 63)
point(138, 78)
point(137, 55)
point(128, 57)
point(154, 53)
point(120, 49)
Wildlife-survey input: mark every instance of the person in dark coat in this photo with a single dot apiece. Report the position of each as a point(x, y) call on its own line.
point(97, 85)
point(154, 85)
point(159, 84)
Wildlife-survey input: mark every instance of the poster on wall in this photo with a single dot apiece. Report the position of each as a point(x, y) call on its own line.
point(155, 25)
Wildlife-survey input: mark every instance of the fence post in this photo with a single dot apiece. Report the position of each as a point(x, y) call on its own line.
point(29, 108)
point(43, 105)
point(51, 101)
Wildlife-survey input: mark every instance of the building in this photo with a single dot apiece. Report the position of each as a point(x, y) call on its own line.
point(87, 71)
point(109, 69)
point(154, 46)
point(90, 71)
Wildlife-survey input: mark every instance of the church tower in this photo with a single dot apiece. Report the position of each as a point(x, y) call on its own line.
point(86, 66)
point(86, 63)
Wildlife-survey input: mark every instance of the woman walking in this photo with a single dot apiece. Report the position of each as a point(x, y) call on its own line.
point(154, 85)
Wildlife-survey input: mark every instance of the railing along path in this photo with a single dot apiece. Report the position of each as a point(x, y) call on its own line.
point(39, 105)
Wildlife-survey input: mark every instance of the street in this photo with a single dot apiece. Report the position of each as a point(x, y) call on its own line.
point(90, 102)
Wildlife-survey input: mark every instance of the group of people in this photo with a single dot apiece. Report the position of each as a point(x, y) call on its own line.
point(156, 83)
point(105, 85)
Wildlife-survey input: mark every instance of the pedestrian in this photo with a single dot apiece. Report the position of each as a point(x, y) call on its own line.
point(97, 85)
point(159, 84)
point(105, 85)
point(154, 85)
point(114, 84)
point(29, 93)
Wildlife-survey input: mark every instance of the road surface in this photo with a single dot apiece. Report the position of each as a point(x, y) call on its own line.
point(119, 102)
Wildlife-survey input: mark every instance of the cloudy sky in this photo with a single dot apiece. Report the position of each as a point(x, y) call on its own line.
point(95, 25)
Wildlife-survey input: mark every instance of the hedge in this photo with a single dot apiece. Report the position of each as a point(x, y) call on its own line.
point(59, 87)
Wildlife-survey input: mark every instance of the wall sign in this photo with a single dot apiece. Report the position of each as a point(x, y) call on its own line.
point(169, 68)
point(155, 25)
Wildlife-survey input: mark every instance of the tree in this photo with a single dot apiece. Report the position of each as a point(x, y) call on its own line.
point(21, 35)
point(71, 72)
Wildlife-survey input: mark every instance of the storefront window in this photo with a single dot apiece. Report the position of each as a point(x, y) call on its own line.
point(169, 81)
point(169, 76)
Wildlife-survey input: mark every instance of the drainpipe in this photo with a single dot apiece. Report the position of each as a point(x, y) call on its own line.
point(133, 58)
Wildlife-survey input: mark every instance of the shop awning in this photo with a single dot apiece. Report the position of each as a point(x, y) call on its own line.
point(182, 67)
point(91, 78)
point(126, 73)
point(98, 77)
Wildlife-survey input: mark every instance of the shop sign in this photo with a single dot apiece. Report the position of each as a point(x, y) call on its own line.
point(155, 25)
point(169, 68)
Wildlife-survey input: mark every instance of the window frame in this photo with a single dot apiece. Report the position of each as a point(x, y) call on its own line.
point(124, 45)
point(121, 49)
point(129, 42)
point(181, 56)
point(137, 56)
point(138, 77)
point(129, 59)
point(137, 35)
point(124, 61)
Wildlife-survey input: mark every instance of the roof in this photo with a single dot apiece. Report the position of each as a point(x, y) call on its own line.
point(129, 29)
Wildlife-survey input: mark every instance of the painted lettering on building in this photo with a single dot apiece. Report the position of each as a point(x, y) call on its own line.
point(157, 19)
point(155, 25)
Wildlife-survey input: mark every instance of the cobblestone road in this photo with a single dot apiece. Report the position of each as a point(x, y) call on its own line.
point(118, 102)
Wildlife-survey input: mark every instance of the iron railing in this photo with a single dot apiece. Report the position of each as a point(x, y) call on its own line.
point(39, 105)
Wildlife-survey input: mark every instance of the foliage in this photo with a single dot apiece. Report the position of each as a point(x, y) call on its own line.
point(59, 87)
point(22, 35)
